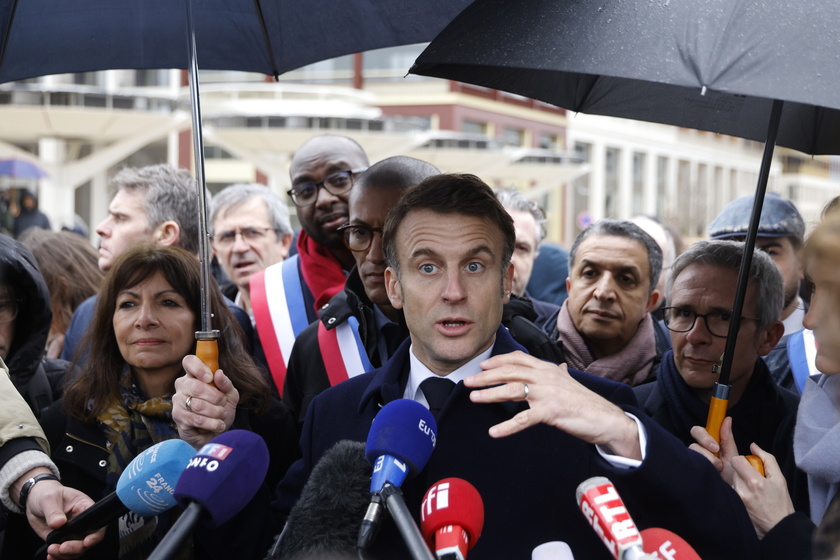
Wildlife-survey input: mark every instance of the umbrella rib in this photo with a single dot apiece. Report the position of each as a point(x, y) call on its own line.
point(267, 39)
point(8, 31)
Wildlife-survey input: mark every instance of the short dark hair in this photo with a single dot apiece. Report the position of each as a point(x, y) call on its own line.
point(398, 172)
point(629, 230)
point(450, 193)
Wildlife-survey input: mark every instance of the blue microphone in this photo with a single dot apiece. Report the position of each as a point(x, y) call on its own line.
point(399, 444)
point(146, 487)
point(218, 482)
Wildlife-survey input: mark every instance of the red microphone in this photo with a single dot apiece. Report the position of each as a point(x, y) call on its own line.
point(605, 511)
point(451, 518)
point(665, 545)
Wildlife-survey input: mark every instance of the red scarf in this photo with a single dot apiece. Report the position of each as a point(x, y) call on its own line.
point(322, 272)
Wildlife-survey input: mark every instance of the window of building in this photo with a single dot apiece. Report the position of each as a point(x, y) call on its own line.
point(474, 127)
point(513, 136)
point(547, 141)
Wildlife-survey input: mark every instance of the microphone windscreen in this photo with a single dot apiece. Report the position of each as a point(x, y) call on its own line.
point(554, 550)
point(325, 520)
point(224, 475)
point(665, 544)
point(452, 501)
point(147, 484)
point(404, 429)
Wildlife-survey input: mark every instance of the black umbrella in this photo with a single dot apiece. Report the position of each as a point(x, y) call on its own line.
point(40, 37)
point(758, 69)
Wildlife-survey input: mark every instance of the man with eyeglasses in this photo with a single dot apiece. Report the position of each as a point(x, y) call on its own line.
point(701, 293)
point(288, 296)
point(358, 329)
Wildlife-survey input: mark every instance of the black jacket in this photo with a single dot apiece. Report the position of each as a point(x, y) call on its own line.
point(79, 451)
point(36, 377)
point(765, 414)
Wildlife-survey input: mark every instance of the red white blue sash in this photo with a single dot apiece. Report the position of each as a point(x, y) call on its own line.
point(279, 313)
point(342, 351)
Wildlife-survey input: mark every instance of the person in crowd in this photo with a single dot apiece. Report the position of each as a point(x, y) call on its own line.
point(25, 321)
point(120, 404)
point(30, 216)
point(781, 232)
point(786, 533)
point(529, 219)
point(701, 293)
point(548, 278)
point(251, 231)
point(507, 416)
point(664, 238)
point(29, 481)
point(154, 204)
point(605, 324)
point(288, 296)
point(69, 266)
point(361, 312)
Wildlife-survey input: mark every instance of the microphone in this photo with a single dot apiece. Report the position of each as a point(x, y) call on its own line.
point(553, 550)
point(399, 444)
point(451, 518)
point(218, 482)
point(145, 487)
point(325, 518)
point(665, 545)
point(605, 511)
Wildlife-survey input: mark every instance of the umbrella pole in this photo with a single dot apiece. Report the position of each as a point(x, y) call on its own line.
point(206, 347)
point(720, 398)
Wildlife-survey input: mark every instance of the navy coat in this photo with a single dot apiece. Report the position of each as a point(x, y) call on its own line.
point(528, 480)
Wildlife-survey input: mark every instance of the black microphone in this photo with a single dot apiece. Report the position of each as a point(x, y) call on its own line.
point(145, 487)
point(325, 520)
point(218, 482)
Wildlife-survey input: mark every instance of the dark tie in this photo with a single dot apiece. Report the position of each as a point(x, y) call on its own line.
point(437, 390)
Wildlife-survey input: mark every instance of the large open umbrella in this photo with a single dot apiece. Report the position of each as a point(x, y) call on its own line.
point(758, 69)
point(40, 37)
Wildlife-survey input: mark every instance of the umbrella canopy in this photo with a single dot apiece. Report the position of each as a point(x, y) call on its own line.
point(714, 65)
point(759, 69)
point(21, 169)
point(41, 37)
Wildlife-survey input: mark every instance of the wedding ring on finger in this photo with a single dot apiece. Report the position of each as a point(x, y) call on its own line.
point(527, 390)
point(187, 403)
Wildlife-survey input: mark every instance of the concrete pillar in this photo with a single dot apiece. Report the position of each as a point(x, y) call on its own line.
point(54, 199)
point(597, 187)
point(649, 185)
point(624, 204)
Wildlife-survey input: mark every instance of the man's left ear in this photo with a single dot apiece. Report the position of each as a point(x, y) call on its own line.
point(393, 288)
point(653, 300)
point(770, 338)
point(507, 283)
point(167, 234)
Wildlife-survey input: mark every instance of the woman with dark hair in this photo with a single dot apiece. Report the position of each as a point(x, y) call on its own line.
point(70, 267)
point(120, 402)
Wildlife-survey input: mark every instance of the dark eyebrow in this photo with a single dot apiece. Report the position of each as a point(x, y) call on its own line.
point(634, 270)
point(481, 249)
point(358, 222)
point(771, 245)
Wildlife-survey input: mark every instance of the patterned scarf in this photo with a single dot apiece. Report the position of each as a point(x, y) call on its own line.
point(132, 423)
point(321, 270)
point(631, 365)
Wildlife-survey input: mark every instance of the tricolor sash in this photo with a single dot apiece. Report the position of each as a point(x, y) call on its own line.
point(279, 314)
point(802, 352)
point(342, 351)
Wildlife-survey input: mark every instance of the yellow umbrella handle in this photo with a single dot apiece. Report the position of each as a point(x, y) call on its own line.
point(207, 350)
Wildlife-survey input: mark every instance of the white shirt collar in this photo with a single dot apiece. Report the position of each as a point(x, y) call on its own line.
point(793, 323)
point(419, 373)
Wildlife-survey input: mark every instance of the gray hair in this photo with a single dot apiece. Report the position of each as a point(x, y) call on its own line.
point(515, 200)
point(629, 230)
point(770, 294)
point(170, 194)
point(236, 195)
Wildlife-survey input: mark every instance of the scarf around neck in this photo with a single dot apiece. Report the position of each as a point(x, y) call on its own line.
point(132, 423)
point(631, 365)
point(321, 271)
point(816, 440)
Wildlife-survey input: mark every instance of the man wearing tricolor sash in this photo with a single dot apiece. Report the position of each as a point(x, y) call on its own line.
point(287, 296)
point(358, 329)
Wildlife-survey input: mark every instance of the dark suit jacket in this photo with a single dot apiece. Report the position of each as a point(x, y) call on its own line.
point(528, 480)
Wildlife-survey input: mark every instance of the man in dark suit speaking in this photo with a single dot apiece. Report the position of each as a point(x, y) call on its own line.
point(524, 432)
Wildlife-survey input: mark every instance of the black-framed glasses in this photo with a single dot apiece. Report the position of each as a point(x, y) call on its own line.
point(682, 320)
point(9, 309)
point(225, 239)
point(358, 238)
point(304, 194)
